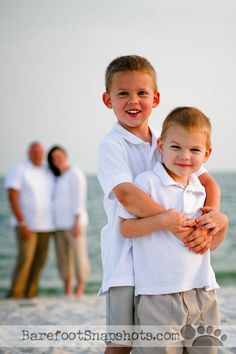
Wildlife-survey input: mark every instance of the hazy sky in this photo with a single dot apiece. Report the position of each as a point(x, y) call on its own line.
point(54, 54)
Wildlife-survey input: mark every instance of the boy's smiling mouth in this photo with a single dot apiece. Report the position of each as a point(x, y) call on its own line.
point(183, 165)
point(133, 112)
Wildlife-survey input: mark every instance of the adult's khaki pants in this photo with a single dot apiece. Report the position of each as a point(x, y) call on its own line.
point(72, 255)
point(32, 255)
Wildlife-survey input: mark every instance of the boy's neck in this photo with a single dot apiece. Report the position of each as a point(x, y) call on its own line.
point(142, 132)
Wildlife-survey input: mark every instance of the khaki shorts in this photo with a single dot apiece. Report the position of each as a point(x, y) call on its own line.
point(184, 310)
point(72, 255)
point(119, 311)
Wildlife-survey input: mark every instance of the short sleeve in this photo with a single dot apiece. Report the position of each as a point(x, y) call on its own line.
point(113, 166)
point(13, 178)
point(141, 182)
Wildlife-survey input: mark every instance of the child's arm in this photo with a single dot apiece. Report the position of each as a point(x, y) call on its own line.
point(134, 228)
point(220, 236)
point(212, 190)
point(136, 201)
point(212, 219)
point(140, 204)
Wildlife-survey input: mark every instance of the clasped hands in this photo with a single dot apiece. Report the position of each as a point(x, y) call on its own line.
point(197, 233)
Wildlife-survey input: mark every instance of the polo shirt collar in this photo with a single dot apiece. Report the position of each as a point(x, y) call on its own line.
point(133, 139)
point(194, 184)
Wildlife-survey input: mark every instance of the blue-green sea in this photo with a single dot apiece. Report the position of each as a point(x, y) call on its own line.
point(223, 259)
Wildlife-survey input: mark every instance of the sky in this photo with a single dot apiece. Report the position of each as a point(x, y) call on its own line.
point(54, 54)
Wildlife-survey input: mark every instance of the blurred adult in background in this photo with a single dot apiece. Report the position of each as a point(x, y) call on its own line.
point(70, 217)
point(30, 186)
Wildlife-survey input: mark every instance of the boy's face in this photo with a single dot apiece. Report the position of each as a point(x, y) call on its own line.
point(183, 152)
point(132, 98)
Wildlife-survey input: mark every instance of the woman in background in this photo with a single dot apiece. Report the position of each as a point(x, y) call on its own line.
point(71, 220)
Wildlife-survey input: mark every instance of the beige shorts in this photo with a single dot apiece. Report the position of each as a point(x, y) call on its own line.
point(119, 312)
point(185, 310)
point(72, 255)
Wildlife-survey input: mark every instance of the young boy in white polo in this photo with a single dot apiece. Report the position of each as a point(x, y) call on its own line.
point(174, 285)
point(126, 151)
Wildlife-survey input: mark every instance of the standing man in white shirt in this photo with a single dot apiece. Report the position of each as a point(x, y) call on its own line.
point(30, 187)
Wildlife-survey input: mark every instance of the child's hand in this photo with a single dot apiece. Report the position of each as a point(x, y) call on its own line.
point(199, 241)
point(212, 219)
point(178, 223)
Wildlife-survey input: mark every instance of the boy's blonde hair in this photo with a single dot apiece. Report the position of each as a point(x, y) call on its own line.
point(129, 63)
point(189, 118)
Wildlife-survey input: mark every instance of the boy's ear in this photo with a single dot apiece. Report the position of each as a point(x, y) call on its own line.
point(160, 145)
point(107, 99)
point(207, 154)
point(156, 99)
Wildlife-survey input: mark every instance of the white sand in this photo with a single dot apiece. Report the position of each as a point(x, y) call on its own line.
point(89, 310)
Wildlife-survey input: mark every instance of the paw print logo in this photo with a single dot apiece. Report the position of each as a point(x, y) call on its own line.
point(203, 336)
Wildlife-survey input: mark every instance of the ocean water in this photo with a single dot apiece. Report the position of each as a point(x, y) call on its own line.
point(223, 259)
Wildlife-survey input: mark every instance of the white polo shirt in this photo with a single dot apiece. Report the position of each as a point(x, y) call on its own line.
point(122, 156)
point(35, 185)
point(70, 199)
point(162, 264)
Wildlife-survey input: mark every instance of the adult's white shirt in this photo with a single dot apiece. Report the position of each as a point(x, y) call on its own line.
point(70, 199)
point(162, 264)
point(35, 186)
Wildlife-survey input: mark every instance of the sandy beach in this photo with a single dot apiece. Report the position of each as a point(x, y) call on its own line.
point(85, 312)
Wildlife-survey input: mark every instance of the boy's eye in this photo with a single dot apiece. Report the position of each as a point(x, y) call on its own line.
point(195, 150)
point(123, 93)
point(175, 147)
point(142, 93)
